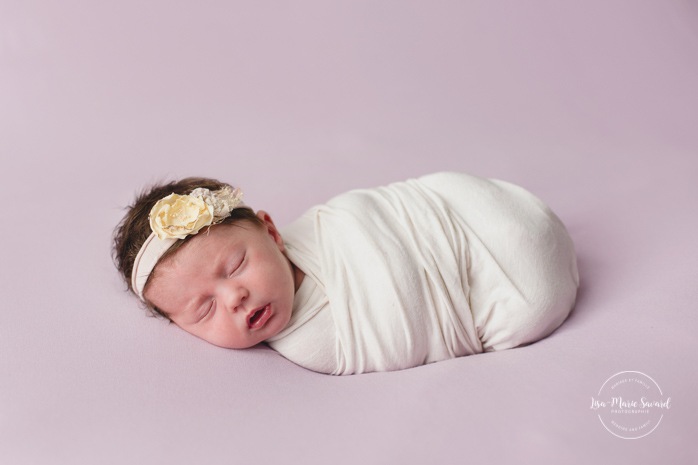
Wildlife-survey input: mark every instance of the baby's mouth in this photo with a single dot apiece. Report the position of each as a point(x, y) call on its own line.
point(258, 317)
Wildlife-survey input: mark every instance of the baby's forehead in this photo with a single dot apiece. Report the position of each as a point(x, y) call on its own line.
point(197, 260)
point(177, 272)
point(204, 247)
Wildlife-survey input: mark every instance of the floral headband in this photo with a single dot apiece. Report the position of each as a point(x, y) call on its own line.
point(174, 218)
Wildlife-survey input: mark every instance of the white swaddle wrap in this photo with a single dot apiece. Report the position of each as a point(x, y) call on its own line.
point(425, 270)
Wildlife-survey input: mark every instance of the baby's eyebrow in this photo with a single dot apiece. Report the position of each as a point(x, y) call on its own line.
point(226, 258)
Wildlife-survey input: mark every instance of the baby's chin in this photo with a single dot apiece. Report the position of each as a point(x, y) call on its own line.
point(230, 345)
point(223, 344)
point(273, 331)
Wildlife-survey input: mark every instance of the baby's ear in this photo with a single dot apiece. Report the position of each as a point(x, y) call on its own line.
point(271, 229)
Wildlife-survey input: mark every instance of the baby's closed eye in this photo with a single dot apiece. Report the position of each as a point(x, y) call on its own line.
point(237, 265)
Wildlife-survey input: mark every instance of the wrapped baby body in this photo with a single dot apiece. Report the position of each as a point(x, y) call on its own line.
point(424, 270)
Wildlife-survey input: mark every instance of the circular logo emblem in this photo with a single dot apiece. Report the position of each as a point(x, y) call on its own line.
point(630, 405)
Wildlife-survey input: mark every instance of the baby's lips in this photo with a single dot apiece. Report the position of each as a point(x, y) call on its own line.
point(258, 317)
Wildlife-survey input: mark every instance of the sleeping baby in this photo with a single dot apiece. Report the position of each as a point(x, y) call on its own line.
point(381, 279)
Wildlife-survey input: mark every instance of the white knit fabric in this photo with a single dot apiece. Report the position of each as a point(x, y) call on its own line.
point(425, 270)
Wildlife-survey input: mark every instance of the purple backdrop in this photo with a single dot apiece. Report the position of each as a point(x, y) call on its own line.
point(593, 106)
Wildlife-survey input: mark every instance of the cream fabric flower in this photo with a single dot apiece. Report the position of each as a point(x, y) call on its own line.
point(177, 216)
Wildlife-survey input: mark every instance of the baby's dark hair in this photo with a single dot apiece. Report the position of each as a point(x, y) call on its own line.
point(134, 228)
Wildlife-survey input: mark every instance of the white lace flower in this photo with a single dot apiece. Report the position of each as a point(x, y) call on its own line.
point(223, 200)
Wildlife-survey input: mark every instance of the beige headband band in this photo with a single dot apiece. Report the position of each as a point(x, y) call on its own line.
point(151, 251)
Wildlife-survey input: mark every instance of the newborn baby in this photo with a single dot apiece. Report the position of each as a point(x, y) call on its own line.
point(379, 279)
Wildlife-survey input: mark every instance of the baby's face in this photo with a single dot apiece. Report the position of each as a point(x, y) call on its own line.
point(231, 285)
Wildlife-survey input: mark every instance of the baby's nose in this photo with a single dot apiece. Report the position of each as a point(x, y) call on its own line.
point(233, 296)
